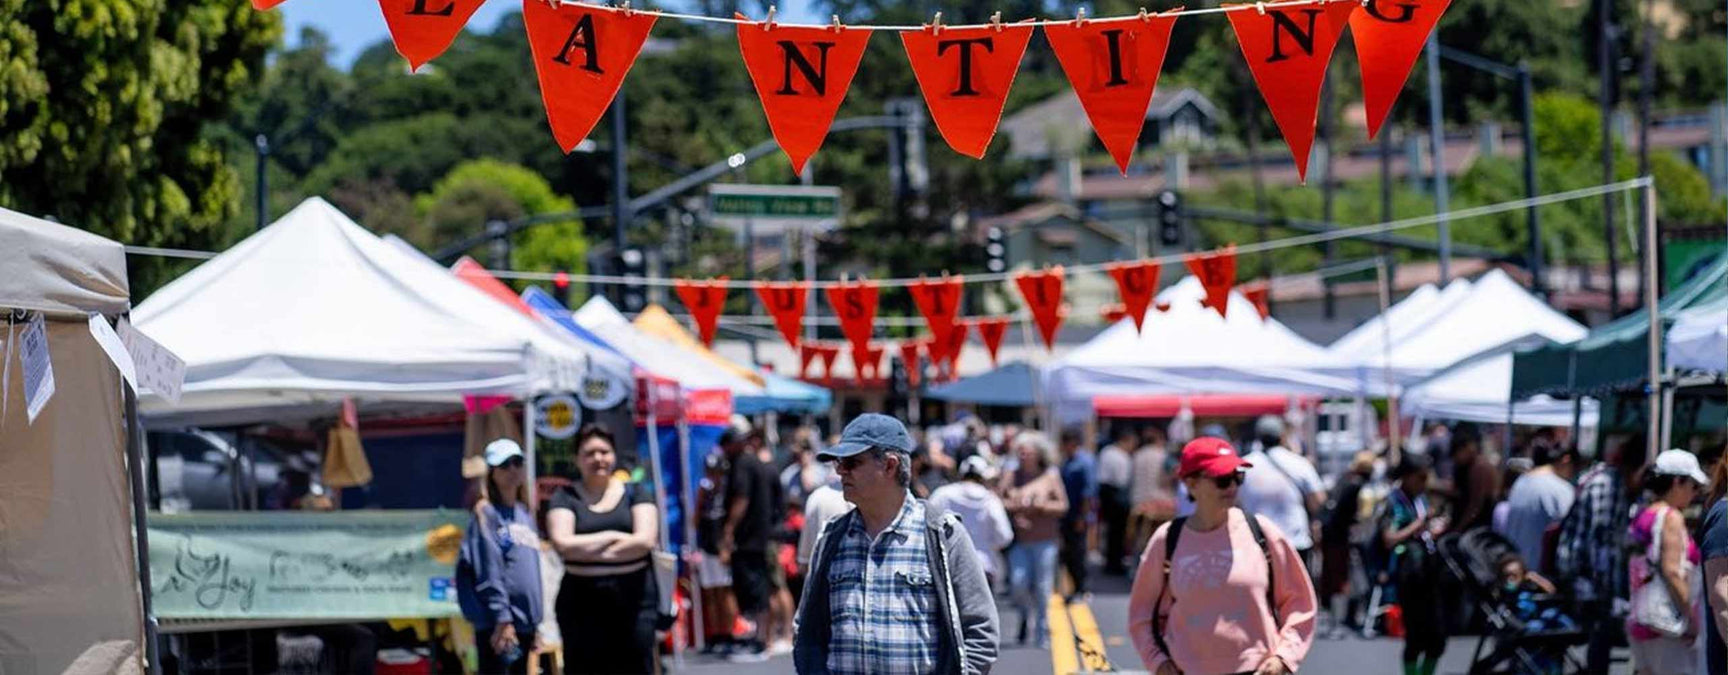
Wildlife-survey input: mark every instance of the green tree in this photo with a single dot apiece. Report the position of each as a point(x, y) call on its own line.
point(479, 191)
point(105, 112)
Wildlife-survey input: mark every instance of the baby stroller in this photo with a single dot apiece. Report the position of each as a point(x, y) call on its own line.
point(1521, 645)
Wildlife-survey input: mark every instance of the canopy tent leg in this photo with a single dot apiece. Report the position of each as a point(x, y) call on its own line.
point(140, 525)
point(699, 628)
point(533, 458)
point(1654, 430)
point(1668, 411)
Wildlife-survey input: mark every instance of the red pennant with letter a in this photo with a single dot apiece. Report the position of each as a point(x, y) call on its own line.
point(581, 54)
point(266, 4)
point(965, 74)
point(1217, 273)
point(1043, 293)
point(855, 304)
point(423, 29)
point(1389, 36)
point(801, 74)
point(785, 302)
point(1113, 66)
point(1287, 49)
point(1137, 282)
point(909, 359)
point(991, 332)
point(1259, 295)
point(938, 301)
point(704, 299)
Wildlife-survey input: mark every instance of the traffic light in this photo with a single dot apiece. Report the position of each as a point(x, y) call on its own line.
point(996, 249)
point(633, 266)
point(1169, 207)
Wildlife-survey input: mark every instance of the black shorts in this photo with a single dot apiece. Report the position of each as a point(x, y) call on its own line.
point(752, 580)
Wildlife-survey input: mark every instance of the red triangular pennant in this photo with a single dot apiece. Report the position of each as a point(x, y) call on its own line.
point(1260, 295)
point(785, 302)
point(1043, 294)
point(938, 301)
point(855, 304)
point(266, 4)
point(423, 29)
point(867, 364)
point(1137, 282)
point(1389, 37)
point(830, 354)
point(1113, 313)
point(954, 347)
point(991, 332)
point(581, 54)
point(965, 74)
point(704, 299)
point(909, 360)
point(1113, 65)
point(807, 353)
point(1217, 273)
point(801, 74)
point(1287, 49)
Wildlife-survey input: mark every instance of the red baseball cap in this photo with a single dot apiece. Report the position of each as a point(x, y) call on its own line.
point(1211, 456)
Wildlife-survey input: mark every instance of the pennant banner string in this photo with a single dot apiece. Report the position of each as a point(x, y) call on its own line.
point(1250, 7)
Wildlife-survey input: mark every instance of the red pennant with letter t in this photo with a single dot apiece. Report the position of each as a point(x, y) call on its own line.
point(1043, 293)
point(855, 304)
point(423, 29)
point(801, 74)
point(1217, 273)
point(965, 74)
point(938, 301)
point(785, 302)
point(581, 54)
point(1136, 282)
point(704, 300)
point(909, 358)
point(1113, 65)
point(1287, 49)
point(991, 332)
point(1389, 36)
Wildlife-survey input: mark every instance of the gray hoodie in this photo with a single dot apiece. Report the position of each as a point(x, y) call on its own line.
point(966, 611)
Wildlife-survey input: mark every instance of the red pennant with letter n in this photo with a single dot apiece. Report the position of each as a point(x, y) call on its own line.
point(1043, 294)
point(581, 54)
point(1287, 49)
point(704, 300)
point(1137, 282)
point(1389, 36)
point(1217, 274)
point(785, 302)
point(965, 74)
point(938, 301)
point(1113, 65)
point(423, 29)
point(855, 304)
point(801, 74)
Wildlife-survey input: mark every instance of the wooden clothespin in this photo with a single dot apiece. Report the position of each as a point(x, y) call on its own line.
point(996, 21)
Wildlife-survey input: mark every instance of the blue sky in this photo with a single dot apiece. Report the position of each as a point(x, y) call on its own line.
point(353, 25)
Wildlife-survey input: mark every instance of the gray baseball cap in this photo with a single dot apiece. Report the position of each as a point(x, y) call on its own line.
point(869, 430)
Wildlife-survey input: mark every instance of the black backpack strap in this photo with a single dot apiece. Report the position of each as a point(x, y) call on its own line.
point(1271, 581)
point(1170, 538)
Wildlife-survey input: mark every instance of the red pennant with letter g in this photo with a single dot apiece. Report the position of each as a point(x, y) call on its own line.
point(785, 302)
point(1389, 36)
point(965, 74)
point(1113, 65)
point(704, 300)
point(1287, 49)
point(423, 29)
point(1136, 282)
point(801, 74)
point(1043, 294)
point(581, 54)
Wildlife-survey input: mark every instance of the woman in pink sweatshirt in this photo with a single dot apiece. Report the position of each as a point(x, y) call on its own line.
point(1225, 603)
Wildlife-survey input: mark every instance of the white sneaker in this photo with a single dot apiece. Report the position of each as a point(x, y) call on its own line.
point(781, 648)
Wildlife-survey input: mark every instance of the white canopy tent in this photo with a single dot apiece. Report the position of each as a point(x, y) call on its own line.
point(660, 356)
point(1402, 318)
point(1192, 350)
point(1479, 390)
point(1699, 338)
point(314, 308)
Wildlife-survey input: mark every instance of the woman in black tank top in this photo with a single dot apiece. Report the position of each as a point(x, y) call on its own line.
point(605, 529)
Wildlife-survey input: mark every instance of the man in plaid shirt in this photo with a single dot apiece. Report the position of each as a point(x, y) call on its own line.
point(893, 587)
point(1591, 551)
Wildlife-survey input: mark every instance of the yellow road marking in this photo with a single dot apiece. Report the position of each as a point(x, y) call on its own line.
point(1062, 658)
point(1091, 644)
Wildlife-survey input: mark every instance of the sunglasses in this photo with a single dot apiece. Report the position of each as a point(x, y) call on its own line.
point(513, 463)
point(1227, 482)
point(853, 462)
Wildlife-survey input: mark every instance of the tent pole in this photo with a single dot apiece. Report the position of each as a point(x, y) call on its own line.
point(1651, 308)
point(1395, 448)
point(690, 513)
point(1668, 412)
point(140, 525)
point(1578, 419)
point(532, 452)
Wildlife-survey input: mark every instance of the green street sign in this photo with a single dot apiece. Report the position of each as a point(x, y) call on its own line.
point(775, 207)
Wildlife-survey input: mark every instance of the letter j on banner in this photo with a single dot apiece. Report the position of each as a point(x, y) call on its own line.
point(1288, 49)
point(704, 300)
point(965, 74)
point(423, 29)
point(581, 54)
point(801, 73)
point(1043, 294)
point(1113, 65)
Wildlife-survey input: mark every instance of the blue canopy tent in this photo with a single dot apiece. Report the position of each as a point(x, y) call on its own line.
point(1008, 386)
point(785, 395)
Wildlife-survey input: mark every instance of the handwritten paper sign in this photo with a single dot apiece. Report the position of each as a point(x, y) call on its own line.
point(38, 367)
point(298, 565)
point(111, 345)
point(159, 370)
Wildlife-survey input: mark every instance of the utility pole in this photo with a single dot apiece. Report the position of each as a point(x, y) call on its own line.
point(1532, 222)
point(1437, 137)
point(1646, 82)
point(1329, 249)
point(1605, 64)
point(262, 143)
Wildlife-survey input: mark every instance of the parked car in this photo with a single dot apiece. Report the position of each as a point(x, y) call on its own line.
point(210, 470)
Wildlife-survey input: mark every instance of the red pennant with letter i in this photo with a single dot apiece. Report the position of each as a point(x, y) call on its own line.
point(581, 54)
point(855, 304)
point(704, 300)
point(423, 29)
point(1043, 294)
point(965, 74)
point(1389, 36)
point(801, 73)
point(1217, 273)
point(1287, 49)
point(1136, 282)
point(1113, 65)
point(785, 302)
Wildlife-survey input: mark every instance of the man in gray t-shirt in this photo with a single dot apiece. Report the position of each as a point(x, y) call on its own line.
point(1539, 499)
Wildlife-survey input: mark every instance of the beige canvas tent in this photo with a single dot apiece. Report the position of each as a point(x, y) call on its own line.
point(70, 596)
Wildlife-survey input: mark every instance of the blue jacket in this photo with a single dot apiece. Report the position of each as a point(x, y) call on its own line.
point(498, 572)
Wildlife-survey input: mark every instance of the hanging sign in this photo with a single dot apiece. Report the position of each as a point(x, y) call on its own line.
point(38, 366)
point(599, 392)
point(1137, 282)
point(801, 73)
point(1043, 294)
point(938, 301)
point(111, 345)
point(855, 304)
point(965, 75)
point(423, 29)
point(704, 300)
point(1113, 65)
point(909, 358)
point(785, 302)
point(557, 416)
point(1217, 273)
point(1389, 36)
point(1288, 49)
point(581, 54)
point(991, 332)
